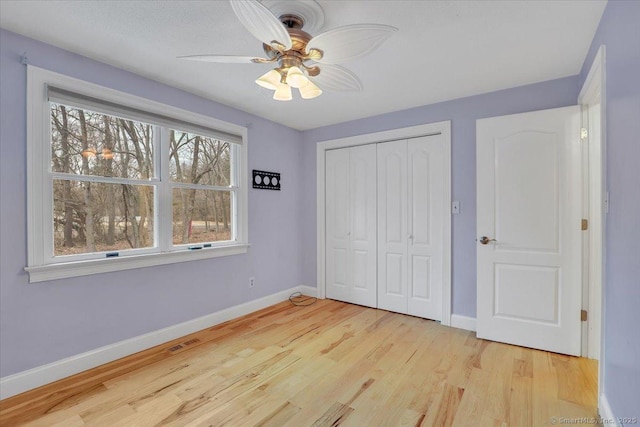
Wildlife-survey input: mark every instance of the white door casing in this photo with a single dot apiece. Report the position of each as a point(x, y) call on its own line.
point(593, 100)
point(529, 201)
point(351, 225)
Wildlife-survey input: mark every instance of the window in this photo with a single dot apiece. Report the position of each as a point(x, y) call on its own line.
point(118, 182)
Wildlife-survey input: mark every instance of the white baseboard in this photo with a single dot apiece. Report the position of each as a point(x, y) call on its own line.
point(45, 374)
point(606, 414)
point(463, 322)
point(311, 291)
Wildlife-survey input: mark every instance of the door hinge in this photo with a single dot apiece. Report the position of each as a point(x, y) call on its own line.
point(585, 224)
point(583, 315)
point(584, 133)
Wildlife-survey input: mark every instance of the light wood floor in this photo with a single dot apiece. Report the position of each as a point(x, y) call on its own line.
point(327, 364)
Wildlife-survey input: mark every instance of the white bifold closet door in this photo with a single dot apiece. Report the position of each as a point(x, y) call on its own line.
point(410, 226)
point(351, 224)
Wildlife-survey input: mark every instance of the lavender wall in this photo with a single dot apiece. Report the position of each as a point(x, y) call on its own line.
point(463, 114)
point(44, 322)
point(619, 31)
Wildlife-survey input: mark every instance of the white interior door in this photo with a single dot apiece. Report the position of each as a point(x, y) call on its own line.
point(351, 225)
point(529, 201)
point(392, 226)
point(425, 249)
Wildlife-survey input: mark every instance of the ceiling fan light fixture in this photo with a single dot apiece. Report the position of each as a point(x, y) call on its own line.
point(296, 78)
point(283, 93)
point(310, 91)
point(295, 51)
point(269, 80)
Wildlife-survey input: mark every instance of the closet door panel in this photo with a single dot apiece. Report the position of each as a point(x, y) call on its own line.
point(363, 227)
point(420, 268)
point(337, 217)
point(392, 226)
point(394, 275)
point(425, 246)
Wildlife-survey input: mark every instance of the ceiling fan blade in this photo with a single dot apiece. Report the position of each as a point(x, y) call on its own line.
point(227, 59)
point(261, 22)
point(349, 42)
point(335, 77)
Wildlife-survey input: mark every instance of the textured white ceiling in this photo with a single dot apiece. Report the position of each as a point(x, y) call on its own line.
point(443, 49)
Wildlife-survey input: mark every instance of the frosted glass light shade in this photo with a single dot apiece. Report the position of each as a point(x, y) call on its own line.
point(269, 80)
point(310, 91)
point(283, 93)
point(296, 78)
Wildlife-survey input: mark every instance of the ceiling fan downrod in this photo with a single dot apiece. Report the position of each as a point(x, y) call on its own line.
point(292, 21)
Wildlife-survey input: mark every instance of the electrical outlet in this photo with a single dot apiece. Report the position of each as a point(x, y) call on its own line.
point(252, 282)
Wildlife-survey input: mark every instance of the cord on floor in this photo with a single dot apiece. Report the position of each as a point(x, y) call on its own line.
point(297, 298)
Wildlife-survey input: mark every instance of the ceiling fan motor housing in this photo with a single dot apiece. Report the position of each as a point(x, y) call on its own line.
point(298, 52)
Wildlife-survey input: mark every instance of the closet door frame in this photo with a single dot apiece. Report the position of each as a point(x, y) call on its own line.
point(439, 128)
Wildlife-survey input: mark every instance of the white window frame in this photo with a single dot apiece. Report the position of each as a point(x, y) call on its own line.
point(41, 265)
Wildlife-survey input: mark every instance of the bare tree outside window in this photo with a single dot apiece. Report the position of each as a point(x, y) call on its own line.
point(118, 182)
point(201, 208)
point(90, 215)
point(89, 150)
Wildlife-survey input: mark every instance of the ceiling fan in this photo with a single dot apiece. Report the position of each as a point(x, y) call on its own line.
point(303, 61)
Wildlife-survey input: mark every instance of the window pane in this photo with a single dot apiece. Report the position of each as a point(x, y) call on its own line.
point(201, 216)
point(88, 143)
point(199, 160)
point(98, 217)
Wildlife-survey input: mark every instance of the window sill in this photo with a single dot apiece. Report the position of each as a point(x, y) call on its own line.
point(104, 265)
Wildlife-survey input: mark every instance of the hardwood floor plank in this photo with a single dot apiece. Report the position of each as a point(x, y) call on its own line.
point(469, 410)
point(153, 412)
point(214, 399)
point(520, 409)
point(74, 421)
point(498, 390)
point(396, 388)
point(573, 385)
point(334, 416)
point(249, 409)
point(279, 416)
point(330, 363)
point(109, 417)
point(409, 418)
point(451, 397)
point(544, 389)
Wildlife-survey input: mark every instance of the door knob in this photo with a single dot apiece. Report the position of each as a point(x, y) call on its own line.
point(484, 240)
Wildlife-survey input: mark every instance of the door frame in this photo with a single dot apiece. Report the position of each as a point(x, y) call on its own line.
point(440, 128)
point(593, 92)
